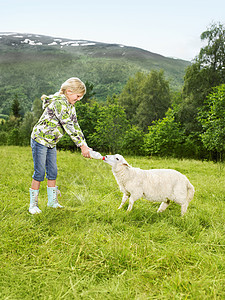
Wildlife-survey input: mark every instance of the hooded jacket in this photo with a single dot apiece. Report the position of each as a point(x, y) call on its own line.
point(59, 116)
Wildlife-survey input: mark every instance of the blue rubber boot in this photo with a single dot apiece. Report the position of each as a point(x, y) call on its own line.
point(53, 197)
point(33, 209)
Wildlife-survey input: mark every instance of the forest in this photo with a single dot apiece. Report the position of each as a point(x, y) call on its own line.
point(146, 115)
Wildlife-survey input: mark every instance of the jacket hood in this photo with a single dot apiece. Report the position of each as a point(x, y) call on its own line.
point(51, 98)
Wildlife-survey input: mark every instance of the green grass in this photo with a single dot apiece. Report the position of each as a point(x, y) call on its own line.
point(92, 250)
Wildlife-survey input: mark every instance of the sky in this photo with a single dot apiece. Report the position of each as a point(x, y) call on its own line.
point(171, 28)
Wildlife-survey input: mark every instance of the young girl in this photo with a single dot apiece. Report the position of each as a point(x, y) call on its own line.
point(59, 116)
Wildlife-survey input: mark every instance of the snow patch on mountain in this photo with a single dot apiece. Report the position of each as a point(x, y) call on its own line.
point(37, 40)
point(30, 42)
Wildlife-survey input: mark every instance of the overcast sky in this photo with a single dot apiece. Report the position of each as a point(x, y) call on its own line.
point(170, 28)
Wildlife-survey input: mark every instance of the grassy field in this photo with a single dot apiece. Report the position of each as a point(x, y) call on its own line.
point(92, 250)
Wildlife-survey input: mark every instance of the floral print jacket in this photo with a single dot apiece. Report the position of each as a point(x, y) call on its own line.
point(59, 116)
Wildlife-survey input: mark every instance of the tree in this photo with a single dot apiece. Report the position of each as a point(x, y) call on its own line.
point(14, 137)
point(212, 118)
point(112, 99)
point(212, 56)
point(3, 138)
point(145, 98)
point(165, 137)
point(87, 117)
point(16, 107)
point(26, 128)
point(133, 142)
point(155, 100)
point(206, 72)
point(36, 110)
point(110, 129)
point(130, 96)
point(89, 92)
point(208, 69)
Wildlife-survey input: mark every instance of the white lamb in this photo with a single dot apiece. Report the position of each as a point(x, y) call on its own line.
point(156, 185)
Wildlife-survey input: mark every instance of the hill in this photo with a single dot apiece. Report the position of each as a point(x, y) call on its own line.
point(31, 65)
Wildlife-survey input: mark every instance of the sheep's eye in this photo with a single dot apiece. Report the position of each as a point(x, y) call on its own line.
point(117, 158)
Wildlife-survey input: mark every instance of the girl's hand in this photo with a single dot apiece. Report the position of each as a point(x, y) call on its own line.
point(85, 151)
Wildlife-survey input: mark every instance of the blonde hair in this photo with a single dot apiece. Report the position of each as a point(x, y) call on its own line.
point(74, 84)
point(43, 97)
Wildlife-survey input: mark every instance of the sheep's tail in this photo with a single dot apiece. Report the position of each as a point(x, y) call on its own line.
point(190, 191)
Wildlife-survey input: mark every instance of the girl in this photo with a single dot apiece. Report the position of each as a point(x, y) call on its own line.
point(59, 116)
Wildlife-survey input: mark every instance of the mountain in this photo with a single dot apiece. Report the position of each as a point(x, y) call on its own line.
point(31, 65)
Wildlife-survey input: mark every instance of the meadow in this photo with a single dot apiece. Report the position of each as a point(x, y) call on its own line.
point(92, 250)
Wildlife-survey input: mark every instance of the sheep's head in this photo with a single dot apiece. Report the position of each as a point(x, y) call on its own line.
point(115, 160)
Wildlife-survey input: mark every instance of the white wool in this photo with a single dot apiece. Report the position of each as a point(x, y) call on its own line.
point(156, 185)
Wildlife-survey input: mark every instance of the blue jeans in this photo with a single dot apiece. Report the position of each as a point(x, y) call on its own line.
point(44, 159)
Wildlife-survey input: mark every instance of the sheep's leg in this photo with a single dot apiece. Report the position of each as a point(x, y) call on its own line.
point(124, 199)
point(163, 206)
point(131, 203)
point(184, 208)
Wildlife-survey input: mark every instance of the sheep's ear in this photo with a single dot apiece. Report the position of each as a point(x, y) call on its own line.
point(125, 164)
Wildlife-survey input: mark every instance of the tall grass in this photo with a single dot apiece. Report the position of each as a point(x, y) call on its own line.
point(92, 250)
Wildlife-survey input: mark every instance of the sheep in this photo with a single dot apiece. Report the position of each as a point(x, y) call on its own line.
point(155, 185)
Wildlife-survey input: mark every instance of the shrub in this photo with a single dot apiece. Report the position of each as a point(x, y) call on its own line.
point(3, 138)
point(165, 137)
point(133, 141)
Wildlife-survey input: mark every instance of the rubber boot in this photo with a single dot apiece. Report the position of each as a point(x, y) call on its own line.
point(33, 209)
point(53, 197)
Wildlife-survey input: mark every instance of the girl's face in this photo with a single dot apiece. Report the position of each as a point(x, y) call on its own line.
point(73, 97)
